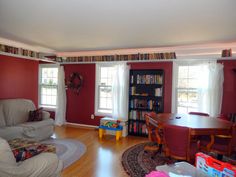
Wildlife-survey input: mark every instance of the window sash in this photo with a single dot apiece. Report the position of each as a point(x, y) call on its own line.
point(100, 87)
point(43, 85)
point(102, 82)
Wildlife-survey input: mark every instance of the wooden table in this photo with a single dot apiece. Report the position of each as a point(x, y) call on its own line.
point(199, 125)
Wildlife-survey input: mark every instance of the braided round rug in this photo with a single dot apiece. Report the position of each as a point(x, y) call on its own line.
point(138, 163)
point(68, 150)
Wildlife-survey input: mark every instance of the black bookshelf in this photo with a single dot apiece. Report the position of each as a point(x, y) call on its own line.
point(146, 90)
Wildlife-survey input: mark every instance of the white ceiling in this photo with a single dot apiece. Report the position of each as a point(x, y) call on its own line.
point(80, 25)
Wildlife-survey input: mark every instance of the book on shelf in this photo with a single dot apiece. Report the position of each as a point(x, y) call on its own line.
point(149, 79)
point(133, 90)
point(137, 128)
point(158, 92)
point(137, 115)
point(132, 79)
point(152, 105)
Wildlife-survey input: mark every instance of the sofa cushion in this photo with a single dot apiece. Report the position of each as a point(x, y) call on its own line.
point(2, 118)
point(34, 130)
point(16, 111)
point(12, 132)
point(6, 154)
point(36, 115)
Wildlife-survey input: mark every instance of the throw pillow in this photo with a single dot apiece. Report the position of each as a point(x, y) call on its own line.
point(36, 115)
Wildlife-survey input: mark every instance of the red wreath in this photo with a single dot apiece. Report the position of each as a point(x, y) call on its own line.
point(75, 82)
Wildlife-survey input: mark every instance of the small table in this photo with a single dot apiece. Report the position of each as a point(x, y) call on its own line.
point(102, 130)
point(181, 168)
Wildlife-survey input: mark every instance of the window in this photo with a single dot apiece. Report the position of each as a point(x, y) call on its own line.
point(48, 81)
point(103, 102)
point(197, 86)
point(189, 86)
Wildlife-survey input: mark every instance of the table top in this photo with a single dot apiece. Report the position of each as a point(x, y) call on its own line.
point(199, 125)
point(181, 169)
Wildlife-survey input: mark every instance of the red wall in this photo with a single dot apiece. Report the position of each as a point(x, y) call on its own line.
point(229, 95)
point(18, 78)
point(81, 106)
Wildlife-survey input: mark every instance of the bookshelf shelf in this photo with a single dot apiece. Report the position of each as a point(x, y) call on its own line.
point(149, 96)
point(145, 95)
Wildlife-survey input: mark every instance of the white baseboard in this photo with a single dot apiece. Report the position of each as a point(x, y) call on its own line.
point(81, 125)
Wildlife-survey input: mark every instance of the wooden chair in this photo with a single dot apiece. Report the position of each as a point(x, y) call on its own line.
point(178, 144)
point(153, 135)
point(223, 117)
point(220, 144)
point(224, 145)
point(197, 138)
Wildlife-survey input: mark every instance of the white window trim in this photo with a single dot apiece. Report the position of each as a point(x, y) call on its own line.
point(175, 73)
point(46, 108)
point(97, 78)
point(174, 89)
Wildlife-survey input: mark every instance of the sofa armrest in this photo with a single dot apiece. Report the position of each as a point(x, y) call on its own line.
point(46, 115)
point(44, 164)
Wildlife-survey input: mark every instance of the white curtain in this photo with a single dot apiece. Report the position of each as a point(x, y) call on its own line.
point(211, 92)
point(120, 88)
point(209, 85)
point(60, 116)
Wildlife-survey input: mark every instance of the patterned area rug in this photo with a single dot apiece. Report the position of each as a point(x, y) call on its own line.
point(138, 163)
point(68, 150)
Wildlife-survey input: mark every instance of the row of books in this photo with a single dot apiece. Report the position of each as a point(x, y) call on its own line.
point(128, 57)
point(145, 104)
point(19, 51)
point(157, 92)
point(148, 79)
point(138, 128)
point(137, 115)
point(226, 53)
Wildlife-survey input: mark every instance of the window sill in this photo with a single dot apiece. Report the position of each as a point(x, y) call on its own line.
point(48, 108)
point(102, 114)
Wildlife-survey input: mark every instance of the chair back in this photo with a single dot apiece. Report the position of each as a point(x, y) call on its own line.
point(223, 117)
point(199, 113)
point(177, 141)
point(234, 137)
point(153, 131)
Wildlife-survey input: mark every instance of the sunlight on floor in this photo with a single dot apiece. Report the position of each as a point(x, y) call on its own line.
point(54, 136)
point(104, 168)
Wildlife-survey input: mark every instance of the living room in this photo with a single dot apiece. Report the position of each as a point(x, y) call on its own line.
point(73, 34)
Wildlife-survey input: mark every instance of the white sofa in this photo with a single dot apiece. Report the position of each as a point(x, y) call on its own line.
point(41, 165)
point(14, 114)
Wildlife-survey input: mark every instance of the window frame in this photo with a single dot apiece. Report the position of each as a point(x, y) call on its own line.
point(175, 73)
point(41, 66)
point(97, 81)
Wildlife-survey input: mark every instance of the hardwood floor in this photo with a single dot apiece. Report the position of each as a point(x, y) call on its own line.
point(103, 156)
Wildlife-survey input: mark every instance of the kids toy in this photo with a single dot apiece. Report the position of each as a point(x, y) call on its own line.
point(213, 167)
point(112, 125)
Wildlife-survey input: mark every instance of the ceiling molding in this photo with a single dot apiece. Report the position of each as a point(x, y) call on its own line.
point(183, 51)
point(25, 46)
